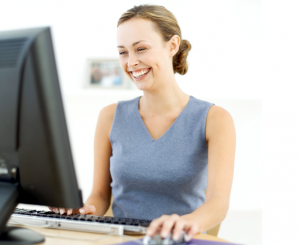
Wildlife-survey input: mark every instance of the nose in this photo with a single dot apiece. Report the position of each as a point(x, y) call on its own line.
point(132, 61)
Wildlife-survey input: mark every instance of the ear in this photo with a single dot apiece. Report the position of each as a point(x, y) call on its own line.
point(174, 44)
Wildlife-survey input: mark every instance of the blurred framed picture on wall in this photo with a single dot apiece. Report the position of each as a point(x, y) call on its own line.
point(106, 73)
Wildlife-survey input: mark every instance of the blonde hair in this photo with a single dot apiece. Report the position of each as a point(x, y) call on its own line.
point(167, 26)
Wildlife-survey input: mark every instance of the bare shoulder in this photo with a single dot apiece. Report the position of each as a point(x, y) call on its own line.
point(218, 121)
point(106, 117)
point(108, 112)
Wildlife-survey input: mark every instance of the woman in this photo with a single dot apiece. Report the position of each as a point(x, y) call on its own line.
point(158, 153)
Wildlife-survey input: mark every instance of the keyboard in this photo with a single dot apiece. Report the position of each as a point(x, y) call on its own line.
point(80, 222)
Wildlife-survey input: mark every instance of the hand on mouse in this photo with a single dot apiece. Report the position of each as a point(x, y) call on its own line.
point(86, 209)
point(166, 223)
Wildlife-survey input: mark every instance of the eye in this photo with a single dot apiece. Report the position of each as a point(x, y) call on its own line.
point(121, 53)
point(141, 49)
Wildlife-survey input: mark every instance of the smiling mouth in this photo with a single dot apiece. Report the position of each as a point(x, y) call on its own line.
point(141, 73)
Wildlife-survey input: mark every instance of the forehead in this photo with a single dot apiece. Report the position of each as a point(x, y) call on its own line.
point(137, 29)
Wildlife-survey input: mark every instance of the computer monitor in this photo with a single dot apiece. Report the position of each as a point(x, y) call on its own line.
point(36, 165)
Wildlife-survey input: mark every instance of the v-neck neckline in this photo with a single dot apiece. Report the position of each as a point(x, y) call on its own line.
point(146, 129)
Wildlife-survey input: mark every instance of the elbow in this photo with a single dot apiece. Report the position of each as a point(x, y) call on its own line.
point(224, 211)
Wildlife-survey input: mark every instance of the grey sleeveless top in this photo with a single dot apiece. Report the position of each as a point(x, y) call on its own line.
point(164, 176)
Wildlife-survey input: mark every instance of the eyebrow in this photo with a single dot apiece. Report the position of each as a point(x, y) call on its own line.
point(133, 43)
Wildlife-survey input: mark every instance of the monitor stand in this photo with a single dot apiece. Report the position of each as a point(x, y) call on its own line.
point(13, 235)
point(18, 235)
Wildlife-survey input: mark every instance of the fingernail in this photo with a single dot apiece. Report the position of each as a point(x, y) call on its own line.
point(69, 212)
point(175, 237)
point(81, 211)
point(62, 211)
point(164, 234)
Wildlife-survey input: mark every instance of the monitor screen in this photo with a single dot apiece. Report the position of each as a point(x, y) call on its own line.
point(36, 164)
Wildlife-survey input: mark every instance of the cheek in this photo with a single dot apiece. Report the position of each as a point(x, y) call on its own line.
point(123, 64)
point(159, 59)
point(152, 59)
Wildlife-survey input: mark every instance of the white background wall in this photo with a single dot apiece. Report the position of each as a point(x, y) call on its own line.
point(244, 57)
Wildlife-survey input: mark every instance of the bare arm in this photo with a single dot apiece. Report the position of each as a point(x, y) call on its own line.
point(221, 142)
point(101, 193)
point(99, 200)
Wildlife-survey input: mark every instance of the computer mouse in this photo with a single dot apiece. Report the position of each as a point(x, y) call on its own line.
point(158, 240)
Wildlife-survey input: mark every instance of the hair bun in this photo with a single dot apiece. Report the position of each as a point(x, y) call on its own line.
point(180, 64)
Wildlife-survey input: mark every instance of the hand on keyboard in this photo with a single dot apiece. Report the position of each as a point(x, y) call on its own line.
point(86, 209)
point(80, 222)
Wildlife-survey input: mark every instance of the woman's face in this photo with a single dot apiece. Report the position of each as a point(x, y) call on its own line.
point(144, 56)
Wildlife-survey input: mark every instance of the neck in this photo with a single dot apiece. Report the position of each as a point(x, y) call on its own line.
point(166, 99)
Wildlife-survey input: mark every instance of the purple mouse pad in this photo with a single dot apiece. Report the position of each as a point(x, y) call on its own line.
point(191, 242)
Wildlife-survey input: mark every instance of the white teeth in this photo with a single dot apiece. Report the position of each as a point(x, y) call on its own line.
point(140, 73)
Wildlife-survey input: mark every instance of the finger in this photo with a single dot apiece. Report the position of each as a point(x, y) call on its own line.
point(55, 209)
point(70, 211)
point(89, 209)
point(156, 225)
point(192, 230)
point(179, 227)
point(62, 210)
point(168, 225)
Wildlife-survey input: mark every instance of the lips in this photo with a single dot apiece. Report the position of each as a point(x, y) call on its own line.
point(140, 74)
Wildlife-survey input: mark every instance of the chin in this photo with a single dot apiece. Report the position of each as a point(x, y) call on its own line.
point(143, 85)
